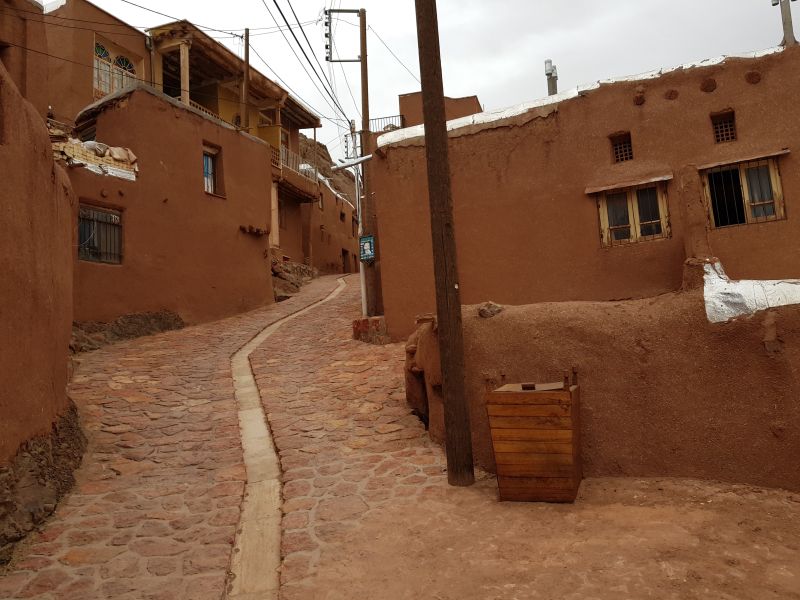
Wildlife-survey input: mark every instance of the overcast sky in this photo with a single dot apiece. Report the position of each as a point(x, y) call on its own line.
point(493, 49)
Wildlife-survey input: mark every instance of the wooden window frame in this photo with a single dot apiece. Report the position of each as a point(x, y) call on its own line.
point(633, 215)
point(213, 154)
point(777, 192)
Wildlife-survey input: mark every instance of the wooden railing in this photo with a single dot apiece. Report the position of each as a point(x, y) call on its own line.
point(292, 160)
point(276, 157)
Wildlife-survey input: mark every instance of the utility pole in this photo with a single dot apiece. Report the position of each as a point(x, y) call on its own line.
point(788, 27)
point(246, 84)
point(369, 215)
point(458, 438)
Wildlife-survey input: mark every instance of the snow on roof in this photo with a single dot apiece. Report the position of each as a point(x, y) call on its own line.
point(493, 116)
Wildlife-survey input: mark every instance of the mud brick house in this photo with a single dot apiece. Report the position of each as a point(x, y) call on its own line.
point(39, 439)
point(454, 108)
point(220, 190)
point(603, 192)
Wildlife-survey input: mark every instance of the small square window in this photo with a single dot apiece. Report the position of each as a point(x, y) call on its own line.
point(724, 126)
point(633, 215)
point(622, 147)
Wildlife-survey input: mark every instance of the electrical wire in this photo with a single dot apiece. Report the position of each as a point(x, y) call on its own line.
point(336, 104)
point(410, 72)
point(333, 120)
point(380, 39)
point(63, 25)
point(142, 80)
point(176, 19)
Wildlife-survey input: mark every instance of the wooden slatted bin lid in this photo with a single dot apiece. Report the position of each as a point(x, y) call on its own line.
point(536, 440)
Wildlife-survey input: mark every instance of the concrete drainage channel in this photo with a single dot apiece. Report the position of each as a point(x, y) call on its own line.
point(257, 551)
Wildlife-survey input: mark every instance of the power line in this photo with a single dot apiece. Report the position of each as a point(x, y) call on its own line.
point(310, 47)
point(308, 60)
point(176, 19)
point(142, 80)
point(51, 16)
point(380, 39)
point(393, 54)
point(333, 107)
point(286, 85)
point(64, 25)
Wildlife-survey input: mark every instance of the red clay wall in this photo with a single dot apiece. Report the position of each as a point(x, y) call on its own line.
point(36, 267)
point(23, 45)
point(330, 234)
point(663, 391)
point(291, 229)
point(527, 231)
point(71, 74)
point(454, 108)
point(182, 248)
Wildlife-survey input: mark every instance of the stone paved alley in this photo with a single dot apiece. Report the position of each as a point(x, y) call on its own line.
point(367, 511)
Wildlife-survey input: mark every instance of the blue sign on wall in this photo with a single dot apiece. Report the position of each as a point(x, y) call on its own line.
point(367, 245)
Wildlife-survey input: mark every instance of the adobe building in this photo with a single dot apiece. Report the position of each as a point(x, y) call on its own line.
point(608, 189)
point(219, 189)
point(454, 108)
point(189, 233)
point(40, 441)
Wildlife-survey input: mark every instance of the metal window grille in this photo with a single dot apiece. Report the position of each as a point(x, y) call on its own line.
point(210, 172)
point(99, 235)
point(744, 193)
point(622, 147)
point(724, 127)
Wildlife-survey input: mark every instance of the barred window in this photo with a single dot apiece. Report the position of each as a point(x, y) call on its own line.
point(99, 235)
point(633, 215)
point(743, 193)
point(724, 126)
point(622, 147)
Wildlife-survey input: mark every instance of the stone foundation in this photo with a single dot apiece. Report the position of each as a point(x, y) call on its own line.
point(36, 479)
point(91, 335)
point(371, 330)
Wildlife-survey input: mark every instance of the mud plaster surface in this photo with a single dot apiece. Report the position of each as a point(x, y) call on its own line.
point(624, 538)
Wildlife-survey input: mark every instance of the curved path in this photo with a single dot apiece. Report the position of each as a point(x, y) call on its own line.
point(365, 509)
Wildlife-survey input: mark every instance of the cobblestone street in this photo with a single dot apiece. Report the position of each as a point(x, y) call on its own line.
point(367, 512)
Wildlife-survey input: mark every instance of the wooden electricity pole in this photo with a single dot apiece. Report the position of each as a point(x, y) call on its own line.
point(371, 277)
point(245, 112)
point(369, 215)
point(458, 438)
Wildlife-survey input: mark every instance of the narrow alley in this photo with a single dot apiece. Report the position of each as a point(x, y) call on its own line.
point(366, 507)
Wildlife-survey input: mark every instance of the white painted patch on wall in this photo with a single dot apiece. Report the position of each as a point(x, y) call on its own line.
point(726, 299)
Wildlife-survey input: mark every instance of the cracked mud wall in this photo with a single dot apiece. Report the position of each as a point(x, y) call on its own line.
point(526, 229)
point(40, 442)
point(663, 391)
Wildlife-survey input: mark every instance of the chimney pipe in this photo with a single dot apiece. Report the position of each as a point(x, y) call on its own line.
point(551, 71)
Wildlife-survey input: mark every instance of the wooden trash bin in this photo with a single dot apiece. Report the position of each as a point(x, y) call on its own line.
point(536, 439)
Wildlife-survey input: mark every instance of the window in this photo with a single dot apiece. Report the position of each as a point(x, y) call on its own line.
point(124, 72)
point(99, 235)
point(111, 73)
point(211, 175)
point(284, 138)
point(724, 126)
point(633, 215)
point(342, 216)
point(102, 70)
point(622, 147)
point(748, 192)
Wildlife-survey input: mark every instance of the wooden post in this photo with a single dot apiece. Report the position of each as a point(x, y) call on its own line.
point(458, 438)
point(369, 214)
point(245, 109)
point(184, 46)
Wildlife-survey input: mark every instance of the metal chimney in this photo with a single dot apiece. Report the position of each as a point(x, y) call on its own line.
point(551, 71)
